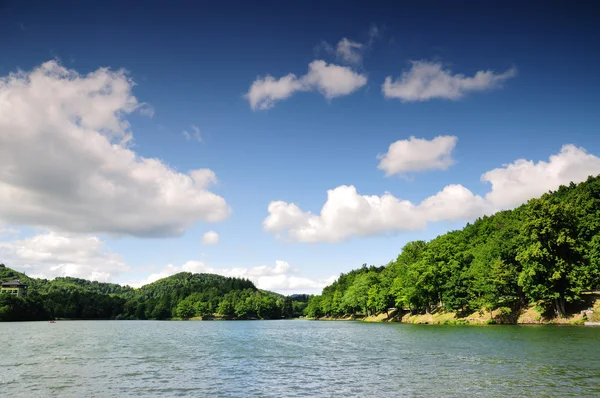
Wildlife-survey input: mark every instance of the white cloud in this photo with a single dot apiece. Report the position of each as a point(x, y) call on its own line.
point(429, 80)
point(50, 254)
point(330, 80)
point(193, 135)
point(350, 51)
point(210, 238)
point(333, 80)
point(347, 214)
point(517, 182)
point(265, 92)
point(417, 154)
point(280, 278)
point(453, 203)
point(203, 177)
point(65, 164)
point(146, 110)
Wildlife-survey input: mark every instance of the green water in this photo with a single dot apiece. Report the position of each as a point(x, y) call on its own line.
point(295, 359)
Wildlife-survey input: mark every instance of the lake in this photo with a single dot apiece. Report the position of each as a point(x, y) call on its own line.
point(295, 358)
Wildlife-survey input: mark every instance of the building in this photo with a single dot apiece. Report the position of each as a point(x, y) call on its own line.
point(15, 287)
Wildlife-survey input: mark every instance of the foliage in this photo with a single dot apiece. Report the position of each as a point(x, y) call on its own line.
point(547, 251)
point(183, 296)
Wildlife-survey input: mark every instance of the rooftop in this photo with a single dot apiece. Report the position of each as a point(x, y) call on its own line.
point(13, 283)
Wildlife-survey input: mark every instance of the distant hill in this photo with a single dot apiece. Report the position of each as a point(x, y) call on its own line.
point(300, 297)
point(183, 295)
point(7, 274)
point(94, 286)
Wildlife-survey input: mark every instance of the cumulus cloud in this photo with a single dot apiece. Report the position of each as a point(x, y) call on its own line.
point(210, 238)
point(348, 214)
point(65, 163)
point(279, 278)
point(192, 134)
point(333, 80)
point(417, 154)
point(265, 92)
point(330, 80)
point(429, 80)
point(517, 182)
point(50, 254)
point(453, 203)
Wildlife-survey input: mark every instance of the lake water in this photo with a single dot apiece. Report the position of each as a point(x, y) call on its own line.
point(295, 358)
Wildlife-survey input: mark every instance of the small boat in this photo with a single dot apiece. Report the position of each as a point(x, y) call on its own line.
point(51, 321)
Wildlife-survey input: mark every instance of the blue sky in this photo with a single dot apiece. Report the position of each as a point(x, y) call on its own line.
point(192, 65)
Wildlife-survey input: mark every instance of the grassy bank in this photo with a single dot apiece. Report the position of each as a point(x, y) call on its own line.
point(527, 316)
point(531, 315)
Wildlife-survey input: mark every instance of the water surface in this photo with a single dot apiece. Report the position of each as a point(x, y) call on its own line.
point(295, 359)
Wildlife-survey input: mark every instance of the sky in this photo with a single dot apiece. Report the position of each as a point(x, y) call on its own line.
point(281, 141)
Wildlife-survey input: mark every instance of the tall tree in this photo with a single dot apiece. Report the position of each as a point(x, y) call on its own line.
point(552, 255)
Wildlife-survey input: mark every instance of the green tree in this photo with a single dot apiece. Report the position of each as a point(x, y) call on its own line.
point(185, 309)
point(552, 255)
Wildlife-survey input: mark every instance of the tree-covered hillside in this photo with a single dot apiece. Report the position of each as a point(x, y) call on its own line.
point(187, 295)
point(547, 252)
point(183, 295)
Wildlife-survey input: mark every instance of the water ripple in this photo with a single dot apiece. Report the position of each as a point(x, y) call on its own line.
point(295, 359)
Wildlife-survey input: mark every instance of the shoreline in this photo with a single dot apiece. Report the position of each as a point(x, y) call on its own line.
point(460, 322)
point(526, 316)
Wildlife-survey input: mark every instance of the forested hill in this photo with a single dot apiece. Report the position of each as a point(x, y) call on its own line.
point(547, 252)
point(187, 295)
point(183, 295)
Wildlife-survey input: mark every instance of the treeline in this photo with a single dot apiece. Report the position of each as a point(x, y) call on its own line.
point(183, 296)
point(71, 298)
point(186, 295)
point(547, 252)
